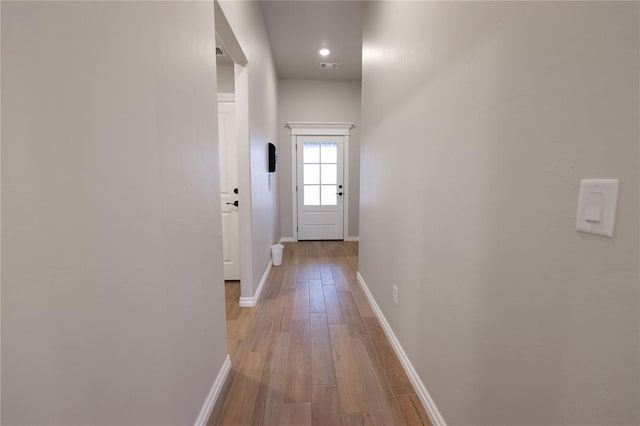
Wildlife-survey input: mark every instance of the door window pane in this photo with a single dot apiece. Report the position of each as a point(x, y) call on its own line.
point(329, 153)
point(312, 174)
point(311, 195)
point(320, 173)
point(311, 152)
point(329, 174)
point(329, 196)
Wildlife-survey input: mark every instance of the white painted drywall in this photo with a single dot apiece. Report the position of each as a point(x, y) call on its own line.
point(321, 101)
point(226, 79)
point(245, 19)
point(479, 120)
point(112, 286)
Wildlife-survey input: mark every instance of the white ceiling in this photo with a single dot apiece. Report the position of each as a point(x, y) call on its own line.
point(298, 29)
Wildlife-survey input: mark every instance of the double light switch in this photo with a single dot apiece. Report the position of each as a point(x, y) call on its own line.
point(597, 206)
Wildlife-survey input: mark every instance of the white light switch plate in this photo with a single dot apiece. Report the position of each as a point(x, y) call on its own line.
point(597, 206)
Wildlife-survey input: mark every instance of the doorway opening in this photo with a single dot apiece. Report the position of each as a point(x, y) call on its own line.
point(234, 163)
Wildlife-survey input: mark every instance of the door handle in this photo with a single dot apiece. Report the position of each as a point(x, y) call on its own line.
point(339, 193)
point(235, 203)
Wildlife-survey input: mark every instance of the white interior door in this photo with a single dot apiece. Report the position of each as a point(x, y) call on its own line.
point(320, 189)
point(229, 189)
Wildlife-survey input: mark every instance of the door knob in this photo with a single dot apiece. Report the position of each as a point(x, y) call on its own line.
point(235, 190)
point(235, 203)
point(339, 193)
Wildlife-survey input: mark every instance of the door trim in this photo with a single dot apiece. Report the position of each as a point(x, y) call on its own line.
point(319, 129)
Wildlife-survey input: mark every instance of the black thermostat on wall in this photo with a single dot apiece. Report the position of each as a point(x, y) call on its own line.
point(273, 158)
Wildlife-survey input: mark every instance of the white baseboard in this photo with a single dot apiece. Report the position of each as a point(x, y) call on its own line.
point(214, 393)
point(432, 410)
point(247, 302)
point(352, 239)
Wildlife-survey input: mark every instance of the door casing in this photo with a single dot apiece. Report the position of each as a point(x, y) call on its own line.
point(319, 129)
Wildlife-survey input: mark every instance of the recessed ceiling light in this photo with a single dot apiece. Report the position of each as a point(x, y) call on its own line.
point(324, 52)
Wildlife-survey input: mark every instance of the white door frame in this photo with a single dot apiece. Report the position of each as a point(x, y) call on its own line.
point(319, 129)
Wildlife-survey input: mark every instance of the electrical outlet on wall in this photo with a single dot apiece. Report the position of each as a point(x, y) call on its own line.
point(395, 294)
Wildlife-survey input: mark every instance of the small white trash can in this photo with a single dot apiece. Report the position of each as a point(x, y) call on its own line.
point(276, 254)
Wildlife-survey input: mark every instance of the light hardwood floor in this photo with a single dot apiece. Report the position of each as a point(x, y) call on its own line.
point(312, 351)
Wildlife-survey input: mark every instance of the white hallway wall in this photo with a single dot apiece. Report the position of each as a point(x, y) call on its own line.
point(313, 100)
point(112, 287)
point(245, 18)
point(226, 82)
point(480, 119)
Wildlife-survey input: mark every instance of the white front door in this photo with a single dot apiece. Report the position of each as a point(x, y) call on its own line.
point(320, 187)
point(229, 189)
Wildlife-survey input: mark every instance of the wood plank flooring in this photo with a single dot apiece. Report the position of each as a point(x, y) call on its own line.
point(312, 351)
